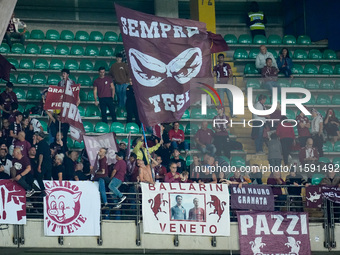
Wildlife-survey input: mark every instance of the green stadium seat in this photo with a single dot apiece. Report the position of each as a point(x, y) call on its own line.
point(292, 96)
point(290, 114)
point(186, 115)
point(297, 83)
point(329, 54)
point(336, 100)
point(289, 39)
point(110, 36)
point(253, 53)
point(324, 160)
point(106, 51)
point(91, 51)
point(300, 54)
point(81, 111)
point(71, 64)
point(26, 63)
point(259, 39)
point(304, 40)
point(230, 39)
point(12, 78)
point(29, 107)
point(27, 34)
point(44, 125)
point(121, 113)
point(311, 101)
point(132, 127)
point(41, 63)
point(70, 142)
point(92, 111)
point(90, 96)
point(102, 127)
point(336, 69)
point(56, 64)
point(196, 113)
point(117, 127)
point(4, 48)
point(337, 114)
point(323, 100)
point(21, 108)
point(77, 50)
point(67, 35)
point(47, 49)
point(191, 128)
point(310, 69)
point(84, 80)
point(322, 112)
point(18, 48)
point(53, 79)
point(326, 84)
point(189, 160)
point(337, 147)
point(120, 38)
point(82, 36)
point(336, 161)
point(240, 54)
point(250, 69)
point(112, 62)
point(37, 34)
point(78, 145)
point(312, 84)
point(72, 77)
point(325, 69)
point(62, 50)
point(237, 161)
point(33, 94)
point(86, 65)
point(82, 95)
point(245, 39)
point(253, 83)
point(101, 63)
point(52, 34)
point(315, 54)
point(39, 78)
point(211, 113)
point(274, 52)
point(96, 36)
point(32, 48)
point(88, 126)
point(14, 62)
point(327, 147)
point(284, 83)
point(119, 49)
point(20, 93)
point(317, 178)
point(274, 39)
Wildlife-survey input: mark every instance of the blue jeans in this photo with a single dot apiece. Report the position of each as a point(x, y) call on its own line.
point(182, 146)
point(102, 188)
point(229, 96)
point(275, 162)
point(209, 148)
point(114, 185)
point(121, 94)
point(286, 71)
point(259, 140)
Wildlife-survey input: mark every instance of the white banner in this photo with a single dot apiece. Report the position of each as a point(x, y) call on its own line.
point(12, 203)
point(186, 209)
point(71, 208)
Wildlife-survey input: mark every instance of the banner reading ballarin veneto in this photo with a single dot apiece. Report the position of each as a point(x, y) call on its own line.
point(164, 55)
point(186, 209)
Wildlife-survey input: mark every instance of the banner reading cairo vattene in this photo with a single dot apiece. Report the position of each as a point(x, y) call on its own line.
point(186, 209)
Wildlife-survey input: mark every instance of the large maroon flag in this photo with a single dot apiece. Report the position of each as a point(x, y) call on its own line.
point(5, 68)
point(166, 57)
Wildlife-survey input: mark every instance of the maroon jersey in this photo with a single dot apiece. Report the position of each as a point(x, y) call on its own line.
point(196, 214)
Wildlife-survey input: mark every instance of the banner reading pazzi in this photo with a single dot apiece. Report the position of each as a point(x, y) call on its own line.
point(186, 209)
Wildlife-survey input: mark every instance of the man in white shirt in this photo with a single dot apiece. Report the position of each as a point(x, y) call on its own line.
point(257, 132)
point(262, 56)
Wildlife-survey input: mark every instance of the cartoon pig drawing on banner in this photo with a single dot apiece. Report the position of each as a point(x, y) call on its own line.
point(63, 205)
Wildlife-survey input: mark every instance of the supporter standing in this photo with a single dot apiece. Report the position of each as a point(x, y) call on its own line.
point(317, 131)
point(256, 20)
point(34, 166)
point(65, 73)
point(287, 136)
point(70, 162)
point(257, 130)
point(58, 168)
point(303, 128)
point(15, 128)
point(8, 97)
point(160, 170)
point(22, 144)
point(221, 136)
point(144, 172)
point(43, 156)
point(181, 165)
point(131, 106)
point(274, 151)
point(5, 161)
point(331, 124)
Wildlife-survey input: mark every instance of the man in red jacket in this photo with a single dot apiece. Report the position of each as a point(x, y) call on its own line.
point(176, 137)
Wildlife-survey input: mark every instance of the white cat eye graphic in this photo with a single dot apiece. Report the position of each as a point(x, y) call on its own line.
point(150, 71)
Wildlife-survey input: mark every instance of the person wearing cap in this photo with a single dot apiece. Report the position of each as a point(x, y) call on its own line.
point(119, 72)
point(8, 97)
point(65, 73)
point(43, 156)
point(15, 127)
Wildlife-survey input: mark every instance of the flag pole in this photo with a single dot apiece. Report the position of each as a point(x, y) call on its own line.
point(146, 144)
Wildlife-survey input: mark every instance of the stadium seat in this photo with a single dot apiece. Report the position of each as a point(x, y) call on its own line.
point(329, 54)
point(290, 114)
point(119, 49)
point(56, 64)
point(253, 53)
point(71, 64)
point(27, 34)
point(92, 111)
point(120, 38)
point(102, 127)
point(314, 54)
point(12, 78)
point(292, 96)
point(196, 113)
point(29, 107)
point(325, 69)
point(88, 126)
point(82, 36)
point(86, 65)
point(132, 127)
point(274, 52)
point(300, 54)
point(284, 83)
point(84, 80)
point(44, 125)
point(259, 39)
point(297, 69)
point(230, 39)
point(41, 63)
point(70, 142)
point(337, 147)
point(297, 83)
point(311, 101)
point(240, 54)
point(91, 51)
point(53, 79)
point(52, 34)
point(33, 94)
point(323, 100)
point(191, 128)
point(121, 113)
point(237, 161)
point(211, 113)
point(26, 63)
point(117, 127)
point(327, 147)
point(186, 114)
point(82, 95)
point(250, 69)
point(326, 84)
point(253, 83)
point(337, 84)
point(39, 78)
point(336, 69)
point(20, 93)
point(4, 48)
point(21, 108)
point(245, 39)
point(81, 111)
point(317, 178)
point(274, 39)
point(110, 37)
point(62, 50)
point(77, 50)
point(189, 160)
point(312, 84)
point(310, 69)
point(47, 49)
point(37, 34)
point(90, 96)
point(101, 63)
point(337, 114)
point(78, 145)
point(336, 100)
point(32, 48)
point(106, 51)
point(289, 39)
point(336, 161)
point(112, 62)
point(96, 36)
point(324, 160)
point(304, 40)
point(18, 48)
point(67, 35)
point(14, 62)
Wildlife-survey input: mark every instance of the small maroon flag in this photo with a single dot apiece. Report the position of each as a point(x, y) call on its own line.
point(54, 98)
point(218, 44)
point(5, 68)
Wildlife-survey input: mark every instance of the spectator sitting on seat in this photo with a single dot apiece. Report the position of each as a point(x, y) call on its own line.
point(145, 174)
point(317, 131)
point(15, 127)
point(269, 75)
point(173, 175)
point(22, 144)
point(160, 170)
point(261, 58)
point(58, 145)
point(8, 97)
point(303, 128)
point(285, 63)
point(58, 168)
point(5, 161)
point(181, 165)
point(256, 20)
point(204, 139)
point(142, 152)
point(194, 173)
point(13, 30)
point(308, 154)
point(295, 179)
point(255, 175)
point(331, 124)
point(176, 137)
point(331, 179)
point(5, 138)
point(287, 138)
point(238, 178)
point(274, 151)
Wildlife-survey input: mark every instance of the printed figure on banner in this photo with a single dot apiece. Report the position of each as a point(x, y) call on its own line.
point(156, 204)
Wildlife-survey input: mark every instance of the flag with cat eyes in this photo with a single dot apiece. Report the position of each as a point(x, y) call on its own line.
point(166, 56)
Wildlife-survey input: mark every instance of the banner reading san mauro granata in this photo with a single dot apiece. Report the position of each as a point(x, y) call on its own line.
point(268, 233)
point(252, 197)
point(186, 209)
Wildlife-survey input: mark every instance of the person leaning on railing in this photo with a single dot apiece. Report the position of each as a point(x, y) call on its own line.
point(331, 179)
point(275, 179)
